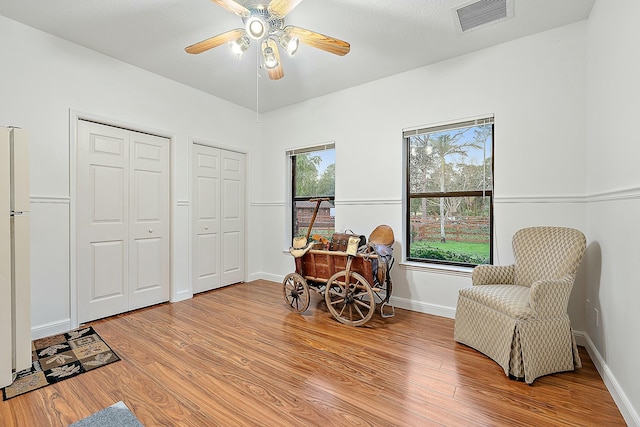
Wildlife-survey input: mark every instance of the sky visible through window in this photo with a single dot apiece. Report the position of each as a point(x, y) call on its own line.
point(328, 158)
point(475, 153)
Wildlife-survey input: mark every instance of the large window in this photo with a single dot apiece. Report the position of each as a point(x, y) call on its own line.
point(449, 193)
point(312, 177)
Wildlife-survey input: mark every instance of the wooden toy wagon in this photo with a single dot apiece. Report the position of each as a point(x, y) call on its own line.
point(351, 273)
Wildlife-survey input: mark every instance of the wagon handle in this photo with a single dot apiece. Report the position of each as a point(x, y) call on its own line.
point(315, 212)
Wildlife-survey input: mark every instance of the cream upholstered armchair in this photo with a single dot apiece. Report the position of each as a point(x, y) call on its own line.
point(517, 314)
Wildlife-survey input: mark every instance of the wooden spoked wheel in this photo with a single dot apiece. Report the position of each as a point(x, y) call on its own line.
point(350, 303)
point(296, 292)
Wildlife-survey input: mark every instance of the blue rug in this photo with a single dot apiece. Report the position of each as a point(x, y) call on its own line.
point(116, 415)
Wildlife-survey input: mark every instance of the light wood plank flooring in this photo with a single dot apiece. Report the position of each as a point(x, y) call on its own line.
point(237, 356)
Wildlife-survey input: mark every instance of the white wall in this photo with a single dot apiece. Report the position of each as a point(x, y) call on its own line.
point(44, 80)
point(613, 187)
point(535, 86)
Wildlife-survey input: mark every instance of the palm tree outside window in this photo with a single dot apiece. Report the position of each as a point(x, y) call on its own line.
point(449, 193)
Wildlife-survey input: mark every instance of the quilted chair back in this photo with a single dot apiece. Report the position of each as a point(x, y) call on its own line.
point(546, 253)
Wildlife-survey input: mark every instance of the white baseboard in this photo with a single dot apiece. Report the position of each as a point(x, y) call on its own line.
point(53, 328)
point(580, 337)
point(422, 307)
point(407, 304)
point(629, 413)
point(266, 276)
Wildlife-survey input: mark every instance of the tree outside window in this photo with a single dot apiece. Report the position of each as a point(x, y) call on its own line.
point(450, 193)
point(313, 176)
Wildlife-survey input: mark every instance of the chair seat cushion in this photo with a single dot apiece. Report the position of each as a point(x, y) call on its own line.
point(512, 300)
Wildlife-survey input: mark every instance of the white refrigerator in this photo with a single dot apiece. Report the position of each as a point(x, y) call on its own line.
point(15, 283)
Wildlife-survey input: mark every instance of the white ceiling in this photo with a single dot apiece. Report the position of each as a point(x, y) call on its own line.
point(386, 37)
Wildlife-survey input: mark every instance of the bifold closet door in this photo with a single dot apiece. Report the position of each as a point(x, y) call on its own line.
point(206, 218)
point(232, 216)
point(148, 220)
point(122, 226)
point(218, 218)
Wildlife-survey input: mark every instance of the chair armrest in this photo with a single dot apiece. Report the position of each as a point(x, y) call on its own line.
point(493, 275)
point(550, 298)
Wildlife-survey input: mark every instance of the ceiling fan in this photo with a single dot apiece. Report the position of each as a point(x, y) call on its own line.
point(264, 23)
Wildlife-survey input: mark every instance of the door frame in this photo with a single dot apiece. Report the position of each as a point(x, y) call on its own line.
point(74, 117)
point(193, 141)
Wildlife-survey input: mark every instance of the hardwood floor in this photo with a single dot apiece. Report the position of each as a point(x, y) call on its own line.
point(237, 356)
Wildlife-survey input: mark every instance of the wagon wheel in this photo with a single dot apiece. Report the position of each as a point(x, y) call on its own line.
point(295, 292)
point(352, 304)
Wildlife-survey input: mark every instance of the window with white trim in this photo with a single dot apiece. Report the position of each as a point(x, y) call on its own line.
point(448, 201)
point(313, 177)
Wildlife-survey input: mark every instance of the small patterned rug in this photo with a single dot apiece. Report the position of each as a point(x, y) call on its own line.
point(60, 357)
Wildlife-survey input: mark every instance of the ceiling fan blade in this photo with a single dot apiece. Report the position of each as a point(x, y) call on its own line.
point(275, 73)
point(319, 41)
point(215, 41)
point(233, 7)
point(281, 8)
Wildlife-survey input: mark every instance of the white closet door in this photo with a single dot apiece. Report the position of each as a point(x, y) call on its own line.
point(206, 218)
point(103, 222)
point(148, 221)
point(232, 204)
point(122, 220)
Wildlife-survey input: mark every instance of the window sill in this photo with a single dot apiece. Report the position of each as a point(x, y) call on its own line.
point(452, 270)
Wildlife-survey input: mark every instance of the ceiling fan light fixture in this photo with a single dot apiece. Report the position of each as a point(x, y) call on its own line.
point(264, 24)
point(289, 43)
point(256, 27)
point(269, 57)
point(239, 46)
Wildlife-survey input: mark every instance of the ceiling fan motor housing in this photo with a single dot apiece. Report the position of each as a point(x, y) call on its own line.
point(260, 23)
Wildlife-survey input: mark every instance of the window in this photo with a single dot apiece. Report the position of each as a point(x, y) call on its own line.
point(313, 176)
point(449, 193)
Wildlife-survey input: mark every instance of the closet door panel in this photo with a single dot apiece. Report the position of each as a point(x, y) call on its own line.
point(102, 220)
point(232, 218)
point(206, 218)
point(207, 252)
point(149, 224)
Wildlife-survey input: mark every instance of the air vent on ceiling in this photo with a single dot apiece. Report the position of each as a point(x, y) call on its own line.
point(481, 12)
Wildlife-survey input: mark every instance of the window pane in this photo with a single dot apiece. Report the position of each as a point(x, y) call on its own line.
point(462, 235)
point(324, 223)
point(451, 160)
point(315, 174)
